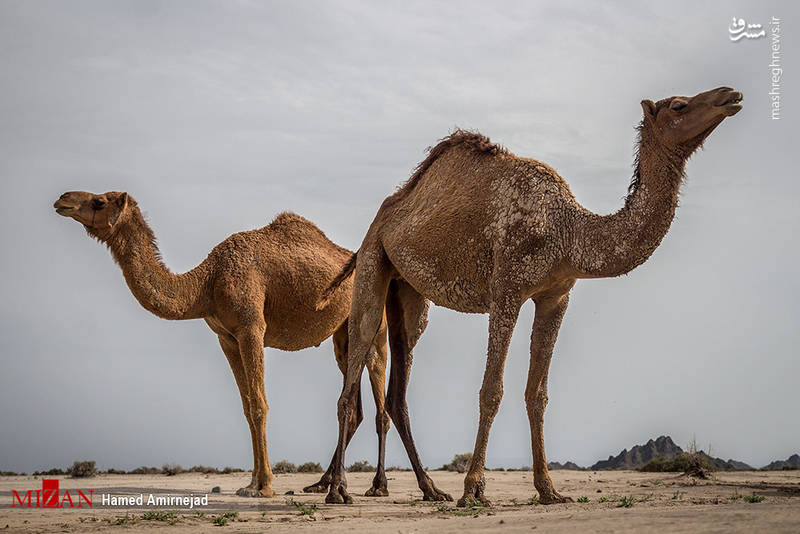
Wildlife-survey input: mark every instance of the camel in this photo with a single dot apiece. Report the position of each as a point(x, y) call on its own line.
point(256, 289)
point(479, 230)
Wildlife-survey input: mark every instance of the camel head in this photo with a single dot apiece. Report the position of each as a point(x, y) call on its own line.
point(98, 213)
point(682, 123)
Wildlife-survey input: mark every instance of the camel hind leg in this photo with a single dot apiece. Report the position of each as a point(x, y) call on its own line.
point(407, 317)
point(373, 272)
point(340, 351)
point(376, 367)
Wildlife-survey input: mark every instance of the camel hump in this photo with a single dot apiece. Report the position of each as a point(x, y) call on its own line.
point(343, 275)
point(465, 138)
point(296, 226)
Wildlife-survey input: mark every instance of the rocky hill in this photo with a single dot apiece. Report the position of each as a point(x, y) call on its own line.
point(640, 455)
point(567, 465)
point(792, 462)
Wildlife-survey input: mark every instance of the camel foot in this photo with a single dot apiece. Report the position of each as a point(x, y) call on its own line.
point(432, 493)
point(319, 487)
point(377, 492)
point(255, 492)
point(473, 495)
point(553, 497)
point(338, 495)
point(469, 501)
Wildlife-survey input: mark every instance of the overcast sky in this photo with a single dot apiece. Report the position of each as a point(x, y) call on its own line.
point(216, 116)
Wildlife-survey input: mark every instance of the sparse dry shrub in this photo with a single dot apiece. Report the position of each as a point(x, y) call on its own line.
point(360, 467)
point(284, 467)
point(172, 469)
point(83, 469)
point(310, 467)
point(459, 464)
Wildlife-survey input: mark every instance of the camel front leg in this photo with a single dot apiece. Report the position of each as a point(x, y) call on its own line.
point(502, 318)
point(231, 349)
point(340, 351)
point(366, 315)
point(251, 349)
point(407, 317)
point(546, 323)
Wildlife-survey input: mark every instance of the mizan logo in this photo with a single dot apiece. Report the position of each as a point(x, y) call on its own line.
point(50, 497)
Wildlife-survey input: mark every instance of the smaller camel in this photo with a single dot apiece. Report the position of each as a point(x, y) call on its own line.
point(256, 289)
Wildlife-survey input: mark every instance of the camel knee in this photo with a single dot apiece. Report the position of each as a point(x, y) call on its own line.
point(345, 406)
point(258, 411)
point(382, 422)
point(535, 398)
point(490, 398)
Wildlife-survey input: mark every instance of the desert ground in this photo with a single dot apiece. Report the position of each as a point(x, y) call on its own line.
point(656, 502)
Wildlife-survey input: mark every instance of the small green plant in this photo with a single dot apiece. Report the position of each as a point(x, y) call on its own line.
point(472, 508)
point(603, 499)
point(169, 517)
point(127, 520)
point(534, 501)
point(753, 498)
point(647, 497)
point(626, 502)
point(678, 496)
point(222, 520)
point(303, 509)
point(583, 498)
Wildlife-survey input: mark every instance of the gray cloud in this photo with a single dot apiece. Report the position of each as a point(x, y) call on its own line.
point(218, 115)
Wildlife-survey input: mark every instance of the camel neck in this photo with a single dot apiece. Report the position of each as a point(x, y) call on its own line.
point(615, 244)
point(161, 292)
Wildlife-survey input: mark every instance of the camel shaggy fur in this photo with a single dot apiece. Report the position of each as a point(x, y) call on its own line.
point(480, 230)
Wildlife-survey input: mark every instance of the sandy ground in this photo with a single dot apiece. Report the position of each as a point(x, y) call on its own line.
point(661, 502)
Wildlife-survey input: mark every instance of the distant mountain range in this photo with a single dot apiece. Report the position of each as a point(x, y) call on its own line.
point(665, 448)
point(792, 461)
point(640, 455)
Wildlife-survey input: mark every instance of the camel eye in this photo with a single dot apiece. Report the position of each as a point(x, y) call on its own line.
point(98, 204)
point(677, 105)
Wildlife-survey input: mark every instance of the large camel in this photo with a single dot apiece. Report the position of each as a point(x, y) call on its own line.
point(480, 230)
point(256, 289)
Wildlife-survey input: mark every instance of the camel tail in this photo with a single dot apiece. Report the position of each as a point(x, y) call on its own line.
point(347, 270)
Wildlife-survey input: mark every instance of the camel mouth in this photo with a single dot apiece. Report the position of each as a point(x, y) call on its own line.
point(731, 103)
point(61, 209)
point(732, 109)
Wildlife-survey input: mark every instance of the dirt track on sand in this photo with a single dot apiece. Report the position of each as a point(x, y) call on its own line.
point(661, 502)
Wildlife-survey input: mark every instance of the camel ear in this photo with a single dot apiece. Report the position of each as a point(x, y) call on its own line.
point(121, 204)
point(649, 108)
